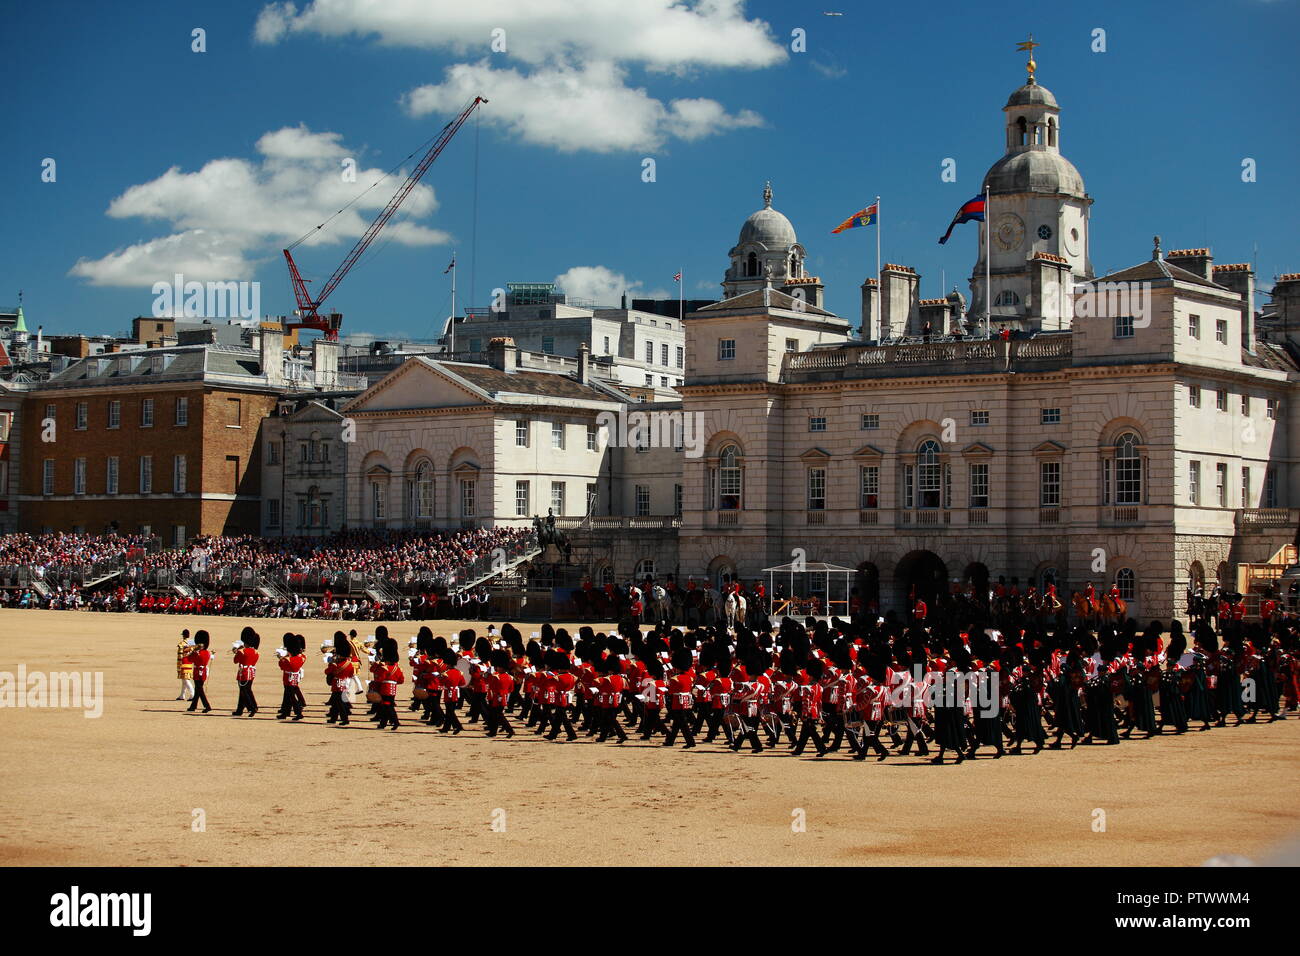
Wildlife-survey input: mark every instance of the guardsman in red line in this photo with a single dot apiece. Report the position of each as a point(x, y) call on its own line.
point(500, 684)
point(681, 698)
point(201, 658)
point(292, 661)
point(339, 674)
point(453, 684)
point(609, 697)
point(809, 697)
point(245, 655)
point(387, 672)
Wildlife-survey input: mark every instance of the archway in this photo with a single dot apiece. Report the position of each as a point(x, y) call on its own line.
point(921, 574)
point(976, 576)
point(867, 585)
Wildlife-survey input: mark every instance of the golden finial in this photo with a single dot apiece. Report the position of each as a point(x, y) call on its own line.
point(1028, 47)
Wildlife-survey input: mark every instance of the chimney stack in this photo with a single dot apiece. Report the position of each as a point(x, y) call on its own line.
point(325, 363)
point(584, 364)
point(271, 349)
point(502, 353)
point(1196, 261)
point(1240, 278)
point(870, 330)
point(899, 300)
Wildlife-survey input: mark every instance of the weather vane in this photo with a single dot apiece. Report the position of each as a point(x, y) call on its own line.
point(1028, 47)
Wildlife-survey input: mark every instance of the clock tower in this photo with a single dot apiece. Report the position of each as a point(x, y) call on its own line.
point(1038, 216)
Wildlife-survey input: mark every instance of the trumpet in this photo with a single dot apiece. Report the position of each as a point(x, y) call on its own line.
point(281, 652)
point(238, 645)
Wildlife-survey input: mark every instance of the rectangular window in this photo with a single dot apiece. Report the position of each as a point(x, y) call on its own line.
point(979, 418)
point(681, 357)
point(272, 453)
point(178, 536)
point(1245, 487)
point(1221, 399)
point(548, 344)
point(792, 345)
point(110, 476)
point(232, 470)
point(273, 512)
point(606, 345)
point(726, 350)
point(1274, 408)
point(870, 422)
point(1049, 416)
point(178, 475)
point(593, 436)
point(1270, 488)
point(47, 477)
point(82, 415)
point(1221, 484)
point(234, 413)
point(1049, 484)
point(468, 490)
point(1194, 483)
point(1123, 326)
point(49, 412)
point(146, 474)
point(1245, 405)
point(663, 354)
point(182, 411)
point(557, 434)
point(869, 487)
point(521, 499)
point(642, 502)
point(521, 434)
point(909, 486)
point(1221, 331)
point(593, 492)
point(146, 413)
point(1194, 326)
point(557, 497)
point(979, 485)
point(378, 507)
point(114, 414)
point(649, 380)
point(1194, 396)
point(649, 353)
point(677, 500)
point(817, 423)
point(79, 476)
point(816, 489)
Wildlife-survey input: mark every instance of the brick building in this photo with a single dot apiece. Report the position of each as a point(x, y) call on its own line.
point(163, 440)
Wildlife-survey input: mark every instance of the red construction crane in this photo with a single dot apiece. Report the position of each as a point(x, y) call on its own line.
point(308, 311)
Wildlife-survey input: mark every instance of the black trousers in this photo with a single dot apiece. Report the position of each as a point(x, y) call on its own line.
point(293, 701)
point(387, 711)
point(246, 699)
point(199, 695)
point(652, 722)
point(809, 732)
point(869, 736)
point(679, 723)
point(497, 723)
point(450, 720)
point(748, 731)
point(608, 719)
point(340, 709)
point(559, 718)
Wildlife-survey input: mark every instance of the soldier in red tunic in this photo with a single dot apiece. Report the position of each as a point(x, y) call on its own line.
point(245, 654)
point(387, 672)
point(292, 662)
point(500, 684)
point(200, 657)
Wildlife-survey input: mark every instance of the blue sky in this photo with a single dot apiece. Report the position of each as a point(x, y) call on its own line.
point(1158, 125)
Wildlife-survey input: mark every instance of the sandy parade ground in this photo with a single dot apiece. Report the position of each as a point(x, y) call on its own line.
point(146, 784)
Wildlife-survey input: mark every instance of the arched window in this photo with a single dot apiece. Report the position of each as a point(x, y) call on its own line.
point(928, 474)
point(751, 265)
point(1126, 581)
point(794, 266)
point(645, 568)
point(1128, 470)
point(1049, 576)
point(1051, 132)
point(606, 575)
point(1006, 297)
point(424, 490)
point(730, 480)
point(1023, 130)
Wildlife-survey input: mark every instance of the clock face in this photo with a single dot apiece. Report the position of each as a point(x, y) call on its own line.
point(1009, 231)
point(1044, 232)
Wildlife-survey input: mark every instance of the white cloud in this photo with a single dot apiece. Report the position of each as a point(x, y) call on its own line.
point(597, 284)
point(232, 213)
point(567, 86)
point(574, 108)
point(660, 34)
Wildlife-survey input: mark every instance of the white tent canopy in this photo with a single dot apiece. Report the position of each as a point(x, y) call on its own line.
point(809, 588)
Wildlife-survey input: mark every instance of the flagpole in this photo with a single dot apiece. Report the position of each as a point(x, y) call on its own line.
point(988, 266)
point(453, 303)
point(681, 295)
point(878, 228)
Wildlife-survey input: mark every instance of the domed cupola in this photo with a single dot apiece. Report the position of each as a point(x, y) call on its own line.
point(767, 250)
point(1037, 216)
